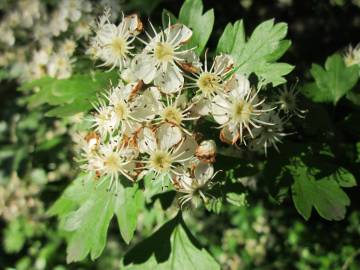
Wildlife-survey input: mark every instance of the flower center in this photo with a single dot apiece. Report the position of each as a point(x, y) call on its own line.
point(112, 162)
point(160, 161)
point(173, 115)
point(208, 83)
point(242, 111)
point(164, 52)
point(288, 101)
point(118, 46)
point(121, 110)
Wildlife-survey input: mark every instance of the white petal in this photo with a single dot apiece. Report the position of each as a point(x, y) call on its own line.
point(146, 140)
point(187, 149)
point(203, 172)
point(223, 63)
point(168, 135)
point(132, 23)
point(170, 81)
point(202, 107)
point(178, 33)
point(148, 105)
point(143, 67)
point(242, 87)
point(220, 109)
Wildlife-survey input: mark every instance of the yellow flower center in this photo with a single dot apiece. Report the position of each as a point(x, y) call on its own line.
point(160, 161)
point(164, 52)
point(173, 115)
point(119, 46)
point(112, 162)
point(242, 111)
point(121, 110)
point(208, 83)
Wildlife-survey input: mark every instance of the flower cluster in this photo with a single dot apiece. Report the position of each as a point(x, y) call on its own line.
point(145, 124)
point(52, 38)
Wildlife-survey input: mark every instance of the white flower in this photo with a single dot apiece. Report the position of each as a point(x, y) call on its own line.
point(237, 111)
point(60, 66)
point(113, 161)
point(194, 185)
point(165, 150)
point(68, 47)
point(129, 110)
point(159, 60)
point(269, 135)
point(114, 43)
point(209, 82)
point(58, 22)
point(172, 112)
point(74, 8)
point(102, 119)
point(352, 55)
point(287, 101)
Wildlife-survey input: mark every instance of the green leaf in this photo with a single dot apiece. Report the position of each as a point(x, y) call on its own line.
point(344, 178)
point(172, 247)
point(128, 211)
point(191, 14)
point(325, 194)
point(86, 209)
point(167, 16)
point(259, 53)
point(71, 96)
point(331, 82)
point(89, 225)
point(236, 199)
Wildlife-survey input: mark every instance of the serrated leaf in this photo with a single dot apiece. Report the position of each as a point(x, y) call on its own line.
point(344, 178)
point(325, 194)
point(172, 247)
point(331, 82)
point(89, 224)
point(191, 14)
point(71, 95)
point(236, 199)
point(259, 52)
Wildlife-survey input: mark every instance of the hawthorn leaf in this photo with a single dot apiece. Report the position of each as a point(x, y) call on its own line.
point(259, 53)
point(191, 14)
point(171, 247)
point(70, 96)
point(331, 82)
point(324, 194)
point(89, 224)
point(128, 210)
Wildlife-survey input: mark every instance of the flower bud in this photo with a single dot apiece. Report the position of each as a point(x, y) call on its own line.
point(206, 151)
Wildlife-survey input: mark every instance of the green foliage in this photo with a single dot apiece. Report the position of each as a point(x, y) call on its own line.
point(172, 247)
point(324, 194)
point(70, 96)
point(332, 82)
point(260, 52)
point(89, 222)
point(191, 14)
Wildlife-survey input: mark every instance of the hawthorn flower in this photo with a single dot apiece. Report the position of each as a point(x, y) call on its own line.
point(172, 112)
point(68, 47)
point(112, 162)
point(287, 101)
point(160, 58)
point(269, 135)
point(114, 43)
point(102, 121)
point(238, 111)
point(352, 56)
point(165, 150)
point(60, 66)
point(209, 82)
point(195, 184)
point(129, 110)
